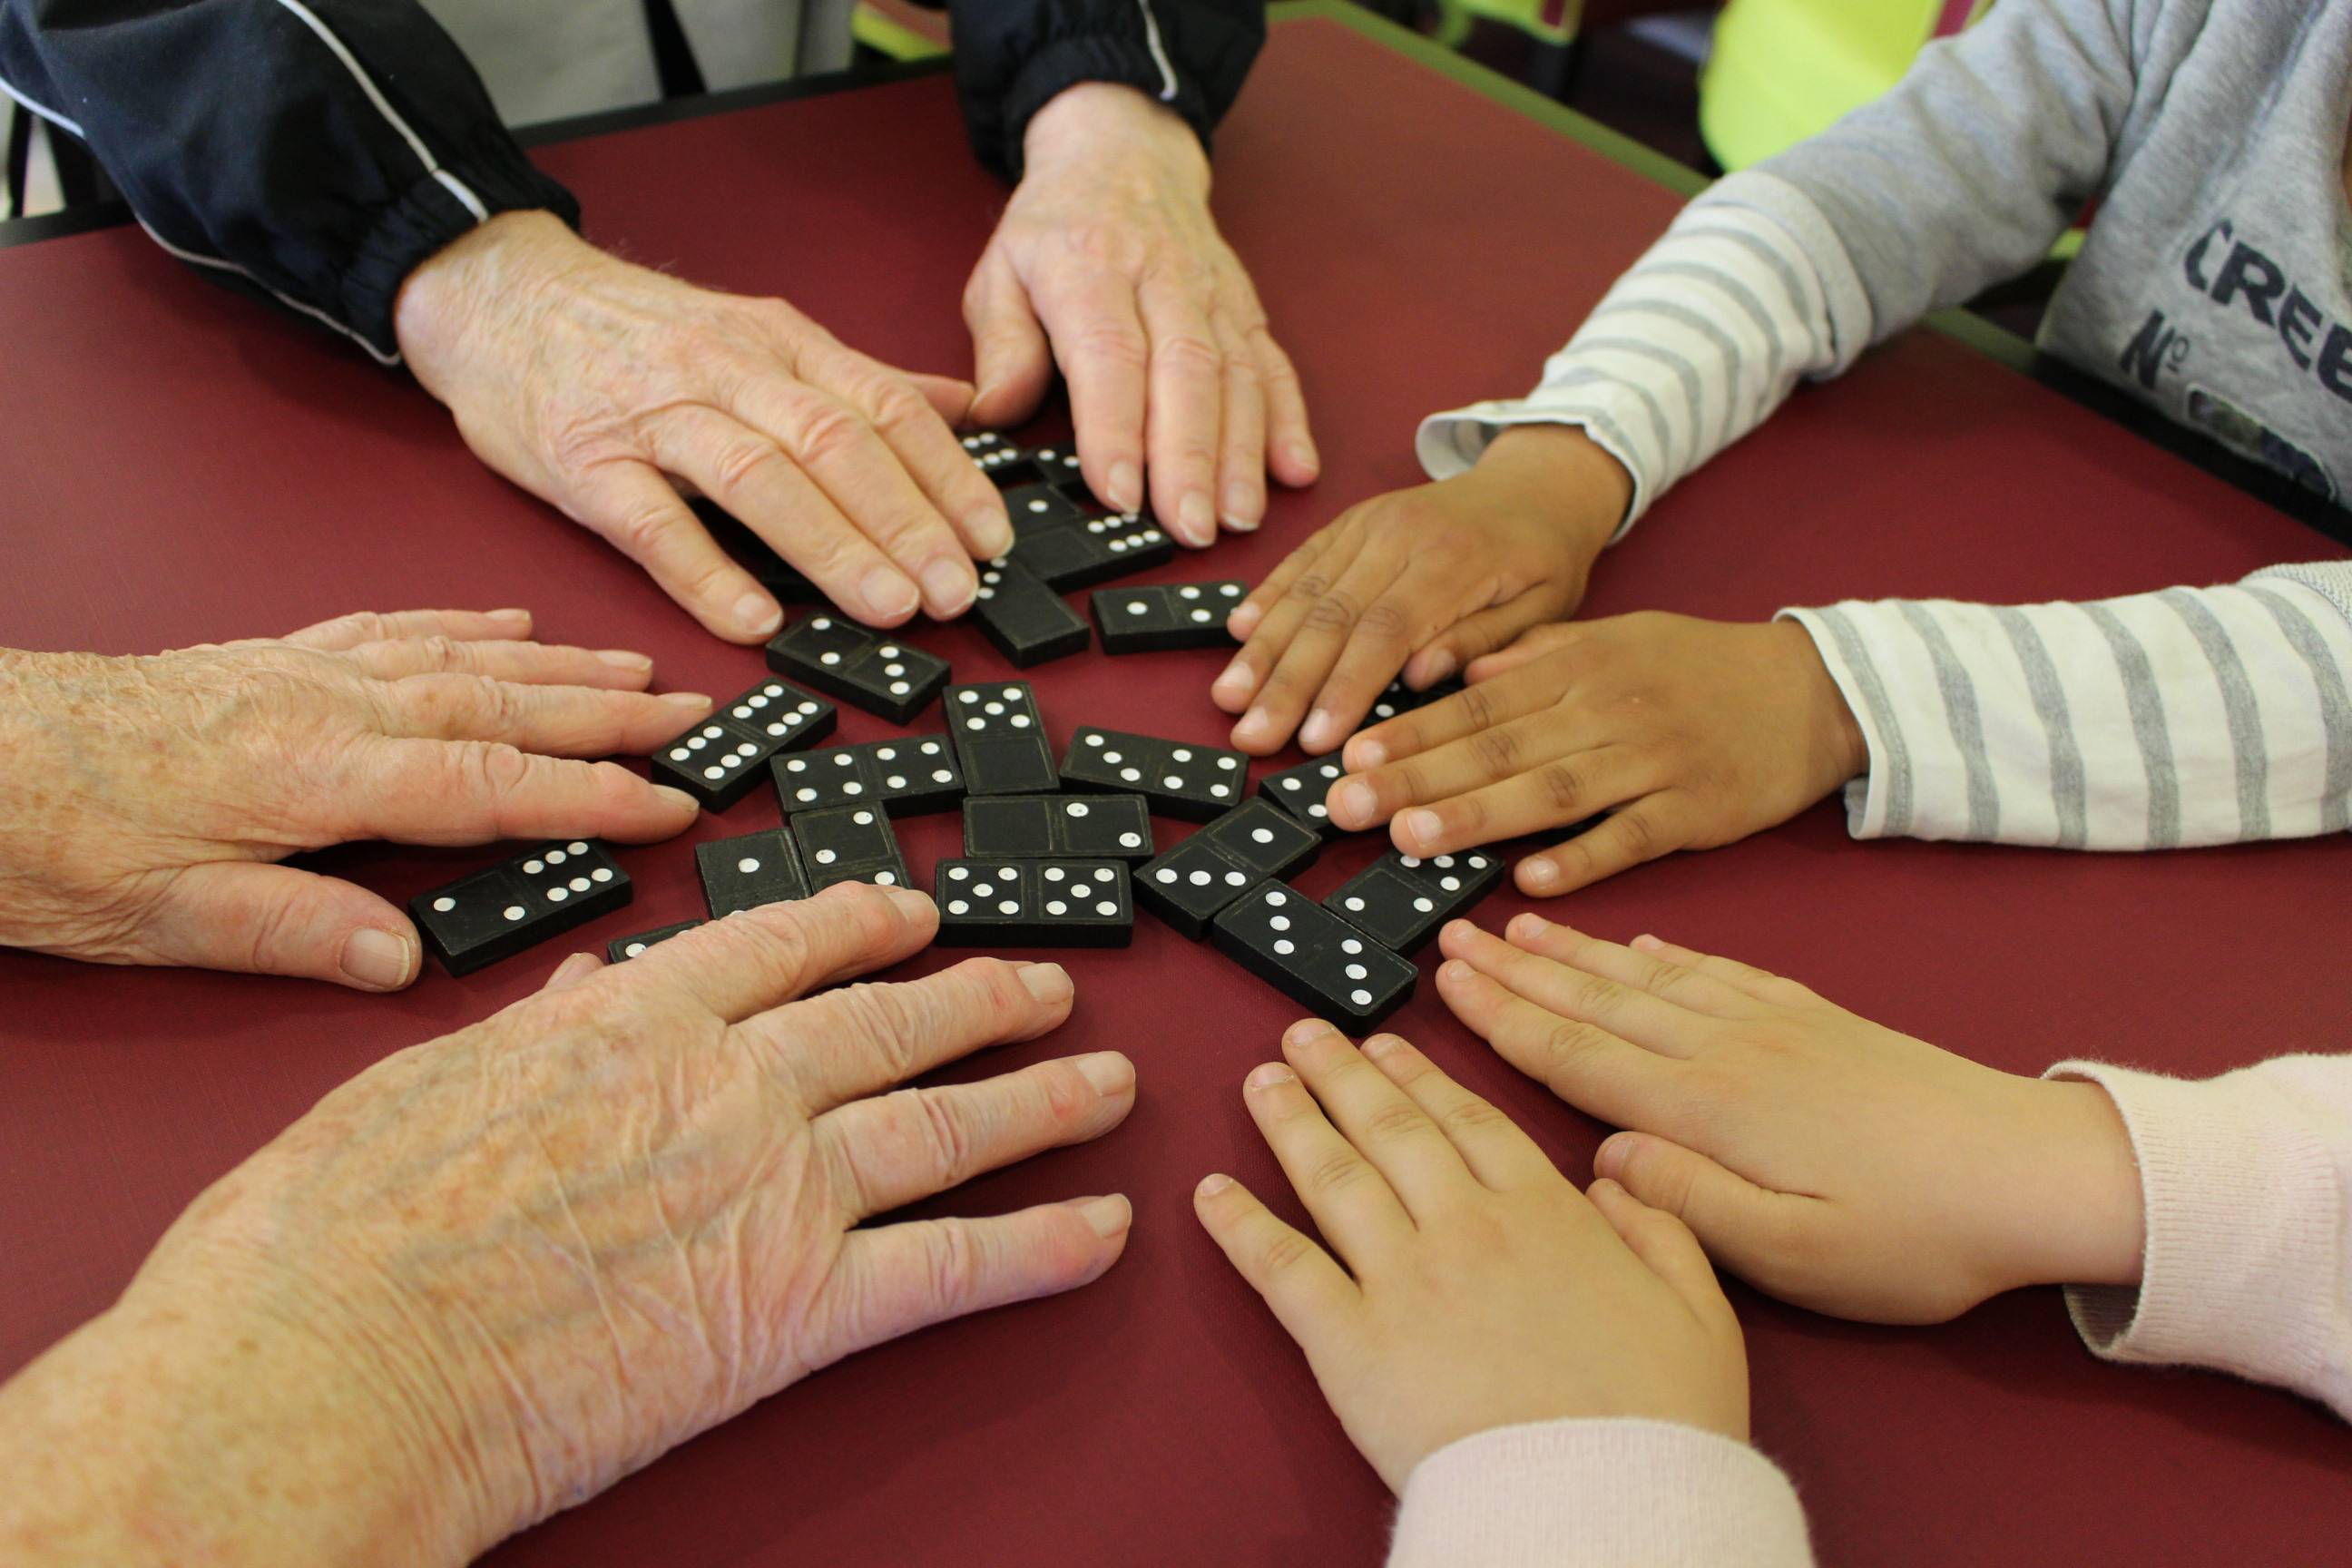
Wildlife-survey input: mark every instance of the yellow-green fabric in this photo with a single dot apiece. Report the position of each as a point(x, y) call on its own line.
point(1783, 70)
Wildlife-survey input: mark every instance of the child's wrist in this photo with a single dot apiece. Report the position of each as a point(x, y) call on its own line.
point(2077, 1212)
point(1561, 473)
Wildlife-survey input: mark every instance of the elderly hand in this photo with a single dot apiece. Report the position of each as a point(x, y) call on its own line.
point(1821, 1157)
point(148, 797)
point(1108, 261)
point(594, 384)
point(497, 1273)
point(1480, 1287)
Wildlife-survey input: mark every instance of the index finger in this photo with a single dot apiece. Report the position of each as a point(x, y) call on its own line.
point(413, 791)
point(1469, 711)
point(760, 958)
point(350, 631)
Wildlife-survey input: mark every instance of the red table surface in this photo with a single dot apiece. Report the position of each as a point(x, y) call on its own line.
point(179, 466)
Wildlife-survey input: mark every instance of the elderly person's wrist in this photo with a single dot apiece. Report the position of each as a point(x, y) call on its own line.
point(1103, 127)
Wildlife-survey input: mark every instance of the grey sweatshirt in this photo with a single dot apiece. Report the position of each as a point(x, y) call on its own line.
point(2212, 283)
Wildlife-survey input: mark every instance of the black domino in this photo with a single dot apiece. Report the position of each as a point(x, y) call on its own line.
point(1194, 783)
point(873, 671)
point(1314, 957)
point(499, 911)
point(1399, 697)
point(1059, 465)
point(742, 873)
point(1192, 883)
point(1000, 739)
point(1065, 826)
point(1027, 621)
point(1080, 555)
point(1403, 900)
point(621, 949)
point(1034, 507)
point(905, 776)
point(1300, 791)
point(1001, 460)
point(848, 844)
point(1159, 616)
point(720, 759)
point(1033, 904)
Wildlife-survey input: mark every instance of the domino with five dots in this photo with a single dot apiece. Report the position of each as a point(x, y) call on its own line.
point(749, 871)
point(1301, 790)
point(1057, 826)
point(1033, 904)
point(1189, 885)
point(848, 844)
point(499, 911)
point(1195, 782)
point(718, 761)
point(1155, 617)
point(1000, 739)
point(1314, 957)
point(1027, 621)
point(905, 777)
point(1081, 554)
point(1403, 900)
point(873, 671)
point(621, 949)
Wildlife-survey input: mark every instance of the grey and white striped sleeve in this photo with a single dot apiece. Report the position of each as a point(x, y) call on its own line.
point(1747, 293)
point(2186, 717)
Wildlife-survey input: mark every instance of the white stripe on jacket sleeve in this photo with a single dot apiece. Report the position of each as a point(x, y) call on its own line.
point(2187, 717)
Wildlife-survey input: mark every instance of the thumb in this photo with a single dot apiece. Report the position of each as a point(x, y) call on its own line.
point(1012, 362)
point(260, 919)
point(1733, 1218)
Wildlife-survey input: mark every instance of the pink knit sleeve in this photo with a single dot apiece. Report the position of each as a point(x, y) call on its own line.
point(2247, 1266)
point(1598, 1494)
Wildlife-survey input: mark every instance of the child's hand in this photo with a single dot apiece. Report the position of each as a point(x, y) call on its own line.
point(1480, 1288)
point(1689, 733)
point(1435, 575)
point(1833, 1162)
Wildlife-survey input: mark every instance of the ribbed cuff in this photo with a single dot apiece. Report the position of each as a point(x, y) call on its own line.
point(494, 173)
point(1452, 443)
point(2242, 1266)
point(1598, 1494)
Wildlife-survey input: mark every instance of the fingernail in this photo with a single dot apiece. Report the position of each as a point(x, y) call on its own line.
point(1440, 665)
point(1235, 681)
point(950, 586)
point(1302, 455)
point(622, 659)
point(911, 904)
point(1271, 1076)
point(1611, 1147)
point(1647, 942)
point(1243, 509)
point(1530, 924)
point(1126, 485)
point(1381, 1046)
point(1244, 621)
point(1363, 754)
point(519, 617)
point(1321, 734)
point(678, 798)
point(695, 701)
point(1538, 873)
point(1355, 802)
point(1196, 518)
point(1454, 969)
point(578, 966)
point(1307, 1029)
point(1210, 1185)
point(887, 592)
point(1109, 1072)
point(1423, 826)
point(990, 530)
point(1109, 1216)
point(1047, 982)
point(1256, 722)
point(377, 959)
point(759, 615)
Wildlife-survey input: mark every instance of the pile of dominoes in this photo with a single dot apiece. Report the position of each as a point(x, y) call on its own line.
point(1054, 854)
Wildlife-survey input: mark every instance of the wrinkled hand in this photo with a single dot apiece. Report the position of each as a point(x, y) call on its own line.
point(1689, 733)
point(497, 1273)
point(1823, 1157)
point(1421, 581)
point(595, 385)
point(149, 797)
point(1108, 261)
point(1480, 1288)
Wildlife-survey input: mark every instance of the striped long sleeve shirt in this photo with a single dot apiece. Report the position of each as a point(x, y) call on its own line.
point(2212, 283)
